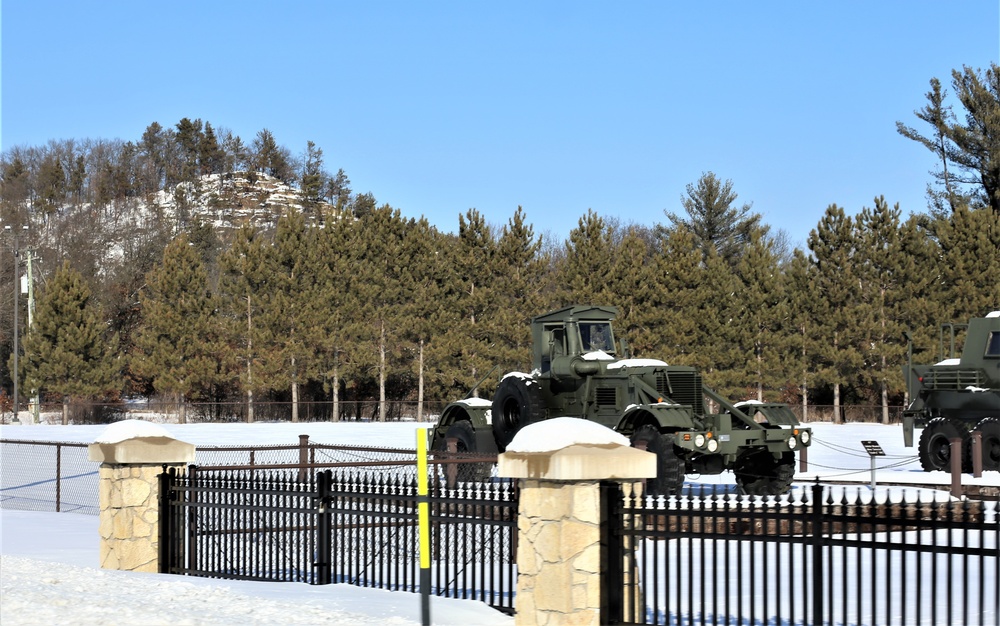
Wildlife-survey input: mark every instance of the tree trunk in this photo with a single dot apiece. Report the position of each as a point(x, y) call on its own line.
point(249, 362)
point(381, 373)
point(836, 404)
point(65, 415)
point(336, 389)
point(420, 383)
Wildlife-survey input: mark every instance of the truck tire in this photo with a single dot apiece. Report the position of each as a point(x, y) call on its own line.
point(517, 403)
point(758, 473)
point(934, 447)
point(463, 431)
point(989, 428)
point(669, 467)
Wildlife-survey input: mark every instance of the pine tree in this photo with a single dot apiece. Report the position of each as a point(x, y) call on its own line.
point(516, 291)
point(180, 344)
point(970, 262)
point(242, 284)
point(211, 159)
point(270, 158)
point(804, 318)
point(335, 278)
point(66, 350)
point(674, 308)
point(835, 287)
point(719, 355)
point(291, 313)
point(587, 264)
point(715, 219)
point(969, 151)
point(633, 287)
point(883, 288)
point(762, 312)
point(471, 295)
point(313, 179)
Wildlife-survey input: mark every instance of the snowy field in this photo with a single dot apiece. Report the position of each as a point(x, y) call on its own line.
point(48, 561)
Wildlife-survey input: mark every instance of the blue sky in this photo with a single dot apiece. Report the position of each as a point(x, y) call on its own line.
point(559, 107)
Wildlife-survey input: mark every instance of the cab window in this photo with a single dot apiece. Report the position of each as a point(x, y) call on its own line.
point(993, 344)
point(597, 336)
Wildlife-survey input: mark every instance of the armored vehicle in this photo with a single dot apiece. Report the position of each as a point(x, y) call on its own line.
point(578, 370)
point(957, 395)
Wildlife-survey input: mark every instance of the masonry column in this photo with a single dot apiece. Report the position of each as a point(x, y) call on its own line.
point(560, 464)
point(132, 454)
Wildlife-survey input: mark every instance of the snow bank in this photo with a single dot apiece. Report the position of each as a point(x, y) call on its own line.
point(560, 432)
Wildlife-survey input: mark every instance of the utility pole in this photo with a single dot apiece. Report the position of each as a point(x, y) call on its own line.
point(17, 293)
point(34, 404)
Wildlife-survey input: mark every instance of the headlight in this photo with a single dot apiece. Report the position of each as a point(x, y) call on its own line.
point(792, 443)
point(699, 440)
point(713, 445)
point(804, 436)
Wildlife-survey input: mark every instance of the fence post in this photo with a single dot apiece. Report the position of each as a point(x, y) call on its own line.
point(132, 454)
point(303, 456)
point(977, 454)
point(819, 587)
point(956, 467)
point(324, 529)
point(559, 554)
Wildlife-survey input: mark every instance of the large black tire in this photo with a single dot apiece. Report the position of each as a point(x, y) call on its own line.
point(669, 467)
point(465, 435)
point(517, 403)
point(934, 447)
point(758, 473)
point(990, 429)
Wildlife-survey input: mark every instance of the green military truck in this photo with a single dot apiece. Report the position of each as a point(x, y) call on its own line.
point(578, 370)
point(955, 396)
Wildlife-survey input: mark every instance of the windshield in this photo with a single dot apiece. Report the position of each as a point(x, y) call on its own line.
point(597, 336)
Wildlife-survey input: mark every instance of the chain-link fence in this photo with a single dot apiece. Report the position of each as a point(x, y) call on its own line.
point(47, 476)
point(58, 476)
point(221, 412)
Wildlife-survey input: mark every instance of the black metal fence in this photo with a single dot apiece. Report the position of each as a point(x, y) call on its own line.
point(814, 558)
point(340, 526)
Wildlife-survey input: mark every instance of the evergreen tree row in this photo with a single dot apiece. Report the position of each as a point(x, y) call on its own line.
point(386, 308)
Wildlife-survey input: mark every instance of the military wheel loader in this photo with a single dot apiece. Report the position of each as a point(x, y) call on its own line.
point(578, 370)
point(955, 396)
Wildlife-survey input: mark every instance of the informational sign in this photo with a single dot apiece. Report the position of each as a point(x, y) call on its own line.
point(872, 448)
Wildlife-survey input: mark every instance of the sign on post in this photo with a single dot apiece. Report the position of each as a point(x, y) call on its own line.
point(873, 450)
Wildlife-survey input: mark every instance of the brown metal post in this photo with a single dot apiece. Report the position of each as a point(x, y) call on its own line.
point(977, 454)
point(303, 456)
point(451, 471)
point(956, 467)
point(804, 460)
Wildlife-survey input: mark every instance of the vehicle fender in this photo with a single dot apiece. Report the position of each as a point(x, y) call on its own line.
point(665, 415)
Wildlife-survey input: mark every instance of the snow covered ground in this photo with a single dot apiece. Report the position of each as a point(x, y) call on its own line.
point(48, 561)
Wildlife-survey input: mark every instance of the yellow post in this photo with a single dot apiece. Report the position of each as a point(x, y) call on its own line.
point(423, 516)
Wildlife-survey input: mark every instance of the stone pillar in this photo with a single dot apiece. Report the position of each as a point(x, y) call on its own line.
point(559, 528)
point(129, 496)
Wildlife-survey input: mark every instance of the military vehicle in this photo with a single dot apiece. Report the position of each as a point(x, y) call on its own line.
point(957, 395)
point(579, 371)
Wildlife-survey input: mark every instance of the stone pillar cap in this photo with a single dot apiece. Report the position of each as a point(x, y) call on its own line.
point(139, 442)
point(569, 448)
